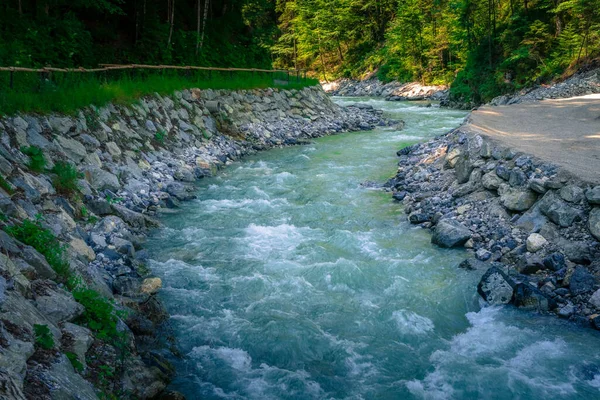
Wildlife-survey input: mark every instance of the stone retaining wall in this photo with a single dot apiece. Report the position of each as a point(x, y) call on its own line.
point(134, 162)
point(532, 229)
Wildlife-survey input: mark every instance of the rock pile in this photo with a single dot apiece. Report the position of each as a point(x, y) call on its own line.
point(391, 91)
point(133, 161)
point(532, 228)
point(580, 84)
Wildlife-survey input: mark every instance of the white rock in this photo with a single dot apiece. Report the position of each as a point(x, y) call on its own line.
point(535, 242)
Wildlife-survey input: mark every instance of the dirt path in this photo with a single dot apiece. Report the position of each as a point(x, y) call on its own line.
point(563, 131)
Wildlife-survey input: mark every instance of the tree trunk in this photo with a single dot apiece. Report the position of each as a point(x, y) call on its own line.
point(172, 20)
point(323, 64)
point(204, 19)
point(20, 7)
point(198, 15)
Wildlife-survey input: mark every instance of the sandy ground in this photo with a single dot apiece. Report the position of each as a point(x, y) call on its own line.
point(563, 131)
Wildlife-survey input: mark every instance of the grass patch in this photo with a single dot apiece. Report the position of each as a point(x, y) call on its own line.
point(65, 179)
point(43, 337)
point(32, 233)
point(67, 93)
point(37, 162)
point(4, 184)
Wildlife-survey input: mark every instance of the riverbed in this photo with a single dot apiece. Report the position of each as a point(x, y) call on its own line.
point(292, 277)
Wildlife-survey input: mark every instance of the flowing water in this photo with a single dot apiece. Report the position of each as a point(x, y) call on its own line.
point(288, 279)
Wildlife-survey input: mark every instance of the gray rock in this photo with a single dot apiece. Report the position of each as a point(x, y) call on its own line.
point(538, 186)
point(558, 211)
point(496, 287)
point(35, 139)
point(113, 149)
point(463, 169)
point(72, 148)
point(38, 261)
point(516, 199)
point(531, 298)
point(58, 305)
point(66, 384)
point(100, 179)
point(179, 191)
point(595, 299)
point(594, 222)
point(491, 181)
point(581, 281)
point(571, 193)
point(134, 219)
point(593, 195)
point(450, 233)
point(79, 340)
point(61, 125)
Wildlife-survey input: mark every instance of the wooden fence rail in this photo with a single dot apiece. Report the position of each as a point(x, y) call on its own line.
point(298, 74)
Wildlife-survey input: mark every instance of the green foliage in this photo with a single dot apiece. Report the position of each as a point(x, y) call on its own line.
point(159, 137)
point(65, 179)
point(100, 314)
point(43, 337)
point(77, 365)
point(71, 94)
point(32, 233)
point(4, 184)
point(37, 162)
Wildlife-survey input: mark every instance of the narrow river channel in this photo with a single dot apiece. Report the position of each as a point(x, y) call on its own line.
point(288, 279)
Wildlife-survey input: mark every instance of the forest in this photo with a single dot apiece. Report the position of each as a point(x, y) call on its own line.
point(481, 47)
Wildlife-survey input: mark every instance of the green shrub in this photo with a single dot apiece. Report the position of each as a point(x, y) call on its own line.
point(32, 233)
point(65, 179)
point(77, 365)
point(43, 337)
point(4, 184)
point(37, 162)
point(100, 314)
point(160, 137)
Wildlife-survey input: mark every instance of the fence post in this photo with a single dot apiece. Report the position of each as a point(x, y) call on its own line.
point(12, 79)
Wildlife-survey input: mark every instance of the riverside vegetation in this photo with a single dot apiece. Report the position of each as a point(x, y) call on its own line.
point(78, 306)
point(481, 48)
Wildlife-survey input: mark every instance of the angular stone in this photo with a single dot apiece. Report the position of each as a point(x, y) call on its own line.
point(151, 285)
point(100, 179)
point(79, 340)
point(516, 199)
point(571, 193)
point(496, 287)
point(581, 281)
point(113, 149)
point(531, 298)
point(58, 305)
point(491, 181)
point(595, 299)
point(450, 233)
point(593, 195)
point(68, 384)
point(463, 169)
point(535, 242)
point(594, 222)
point(558, 211)
point(73, 149)
point(80, 248)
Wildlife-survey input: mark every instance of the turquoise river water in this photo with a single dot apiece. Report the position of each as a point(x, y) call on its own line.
point(288, 279)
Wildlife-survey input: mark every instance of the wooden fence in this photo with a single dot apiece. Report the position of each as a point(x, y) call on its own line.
point(44, 72)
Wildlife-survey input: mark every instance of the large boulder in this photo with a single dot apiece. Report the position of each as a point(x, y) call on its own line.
point(463, 169)
point(496, 287)
point(593, 195)
point(491, 181)
point(72, 148)
point(55, 303)
point(531, 298)
point(581, 281)
point(515, 199)
point(100, 179)
point(594, 222)
point(450, 233)
point(558, 211)
point(535, 242)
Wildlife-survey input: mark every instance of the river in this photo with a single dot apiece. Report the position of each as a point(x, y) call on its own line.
point(290, 279)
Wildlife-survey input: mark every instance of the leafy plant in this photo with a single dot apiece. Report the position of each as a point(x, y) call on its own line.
point(4, 184)
point(160, 137)
point(32, 233)
point(43, 337)
point(77, 365)
point(113, 200)
point(65, 179)
point(37, 162)
point(100, 314)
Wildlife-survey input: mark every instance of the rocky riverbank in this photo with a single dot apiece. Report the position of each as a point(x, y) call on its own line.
point(391, 91)
point(533, 230)
point(79, 314)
